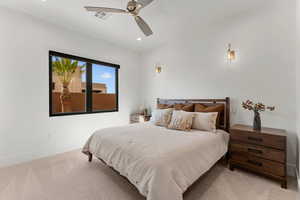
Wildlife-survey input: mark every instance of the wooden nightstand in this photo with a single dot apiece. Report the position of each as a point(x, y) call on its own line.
point(137, 118)
point(263, 152)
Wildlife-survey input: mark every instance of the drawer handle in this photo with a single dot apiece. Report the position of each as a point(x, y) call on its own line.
point(255, 163)
point(255, 139)
point(255, 151)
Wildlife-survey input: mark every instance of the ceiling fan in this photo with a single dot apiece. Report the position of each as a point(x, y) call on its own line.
point(133, 7)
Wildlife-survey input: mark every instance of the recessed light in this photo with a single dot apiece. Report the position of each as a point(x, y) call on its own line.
point(43, 0)
point(139, 39)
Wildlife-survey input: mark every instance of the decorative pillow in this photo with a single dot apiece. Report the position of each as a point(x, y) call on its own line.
point(215, 108)
point(205, 121)
point(203, 108)
point(181, 120)
point(161, 117)
point(164, 106)
point(184, 107)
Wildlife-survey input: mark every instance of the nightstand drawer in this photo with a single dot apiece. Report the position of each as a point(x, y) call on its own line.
point(273, 141)
point(259, 151)
point(259, 164)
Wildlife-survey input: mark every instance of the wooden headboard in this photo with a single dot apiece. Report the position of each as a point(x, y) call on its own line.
point(225, 116)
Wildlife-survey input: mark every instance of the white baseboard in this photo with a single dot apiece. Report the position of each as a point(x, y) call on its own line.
point(10, 160)
point(296, 173)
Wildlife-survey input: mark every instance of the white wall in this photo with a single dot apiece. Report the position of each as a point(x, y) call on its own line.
point(26, 131)
point(196, 66)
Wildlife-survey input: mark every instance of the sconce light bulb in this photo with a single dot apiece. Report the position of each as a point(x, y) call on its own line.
point(230, 53)
point(158, 69)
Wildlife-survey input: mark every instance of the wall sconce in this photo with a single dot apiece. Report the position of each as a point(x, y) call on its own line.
point(158, 68)
point(230, 53)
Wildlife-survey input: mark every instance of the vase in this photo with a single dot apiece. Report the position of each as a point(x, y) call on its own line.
point(256, 121)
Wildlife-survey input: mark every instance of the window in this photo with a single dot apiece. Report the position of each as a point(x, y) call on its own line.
point(81, 86)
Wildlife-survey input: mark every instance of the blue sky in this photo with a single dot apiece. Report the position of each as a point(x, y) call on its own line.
point(106, 75)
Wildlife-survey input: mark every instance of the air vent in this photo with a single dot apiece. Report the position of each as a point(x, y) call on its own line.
point(102, 15)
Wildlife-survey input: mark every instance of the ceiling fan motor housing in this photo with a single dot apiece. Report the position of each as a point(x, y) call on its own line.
point(133, 7)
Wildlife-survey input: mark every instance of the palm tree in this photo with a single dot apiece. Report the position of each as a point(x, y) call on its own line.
point(65, 69)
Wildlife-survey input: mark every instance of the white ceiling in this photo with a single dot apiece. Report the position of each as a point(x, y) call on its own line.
point(166, 17)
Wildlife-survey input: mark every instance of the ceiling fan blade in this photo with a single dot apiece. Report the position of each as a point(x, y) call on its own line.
point(145, 3)
point(103, 9)
point(143, 26)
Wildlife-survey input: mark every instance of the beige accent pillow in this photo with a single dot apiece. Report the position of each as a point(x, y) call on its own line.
point(181, 120)
point(212, 108)
point(205, 121)
point(161, 117)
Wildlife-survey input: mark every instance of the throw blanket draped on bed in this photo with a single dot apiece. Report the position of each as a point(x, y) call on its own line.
point(160, 162)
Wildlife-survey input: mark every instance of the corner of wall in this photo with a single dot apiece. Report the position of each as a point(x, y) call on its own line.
point(297, 87)
point(298, 161)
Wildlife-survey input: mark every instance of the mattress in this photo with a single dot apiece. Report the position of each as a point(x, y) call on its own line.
point(160, 162)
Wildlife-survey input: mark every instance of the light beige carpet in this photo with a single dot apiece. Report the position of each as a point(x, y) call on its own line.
point(70, 177)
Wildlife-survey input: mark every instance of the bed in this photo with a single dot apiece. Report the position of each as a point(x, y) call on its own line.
point(161, 163)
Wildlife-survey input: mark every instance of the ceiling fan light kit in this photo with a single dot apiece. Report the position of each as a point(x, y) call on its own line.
point(133, 8)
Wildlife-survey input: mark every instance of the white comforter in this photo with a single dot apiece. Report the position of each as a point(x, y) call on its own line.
point(160, 162)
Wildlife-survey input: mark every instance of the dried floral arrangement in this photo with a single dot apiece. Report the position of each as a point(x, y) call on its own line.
point(257, 107)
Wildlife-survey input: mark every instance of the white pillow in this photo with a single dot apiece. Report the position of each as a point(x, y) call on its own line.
point(161, 117)
point(205, 121)
point(181, 120)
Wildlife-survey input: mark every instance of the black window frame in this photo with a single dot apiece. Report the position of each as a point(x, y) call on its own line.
point(89, 84)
